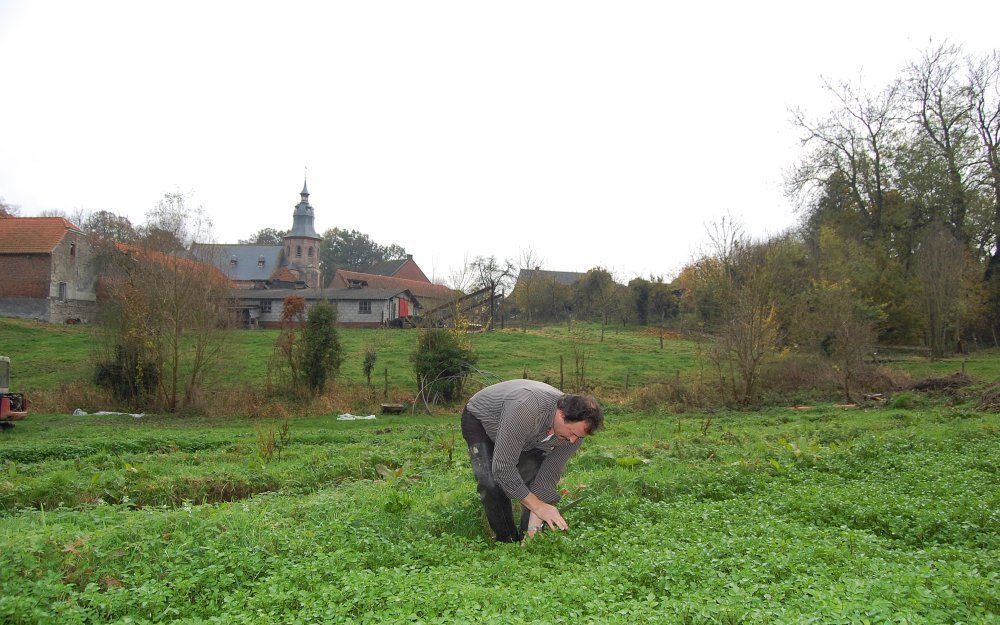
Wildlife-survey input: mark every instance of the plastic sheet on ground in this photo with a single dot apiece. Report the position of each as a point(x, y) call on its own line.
point(83, 413)
point(351, 417)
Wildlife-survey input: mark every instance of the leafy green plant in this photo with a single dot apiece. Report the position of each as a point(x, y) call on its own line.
point(442, 362)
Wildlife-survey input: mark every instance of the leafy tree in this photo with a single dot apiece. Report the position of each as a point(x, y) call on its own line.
point(321, 354)
point(939, 270)
point(353, 250)
point(597, 296)
point(266, 236)
point(641, 291)
point(837, 323)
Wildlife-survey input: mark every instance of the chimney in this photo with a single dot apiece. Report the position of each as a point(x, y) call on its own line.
point(409, 257)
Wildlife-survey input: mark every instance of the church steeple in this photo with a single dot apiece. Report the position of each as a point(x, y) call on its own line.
point(302, 218)
point(302, 243)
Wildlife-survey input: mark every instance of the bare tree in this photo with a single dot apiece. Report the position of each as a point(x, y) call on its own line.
point(490, 273)
point(855, 142)
point(8, 210)
point(740, 284)
point(941, 108)
point(529, 262)
point(172, 309)
point(984, 95)
point(939, 265)
point(460, 278)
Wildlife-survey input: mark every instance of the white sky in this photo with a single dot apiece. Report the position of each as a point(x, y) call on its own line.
point(596, 132)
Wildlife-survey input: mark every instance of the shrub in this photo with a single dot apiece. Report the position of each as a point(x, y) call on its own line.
point(128, 376)
point(442, 362)
point(321, 353)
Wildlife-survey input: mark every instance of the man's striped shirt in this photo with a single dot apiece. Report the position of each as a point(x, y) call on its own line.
point(517, 416)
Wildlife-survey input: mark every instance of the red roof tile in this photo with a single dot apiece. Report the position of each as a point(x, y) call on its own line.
point(375, 281)
point(32, 235)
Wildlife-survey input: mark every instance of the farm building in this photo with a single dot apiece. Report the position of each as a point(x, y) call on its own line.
point(46, 270)
point(356, 307)
point(430, 294)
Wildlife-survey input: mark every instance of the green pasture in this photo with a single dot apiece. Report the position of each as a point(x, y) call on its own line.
point(46, 356)
point(819, 516)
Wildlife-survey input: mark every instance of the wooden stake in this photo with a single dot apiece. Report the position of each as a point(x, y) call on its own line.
point(626, 382)
point(560, 372)
point(385, 391)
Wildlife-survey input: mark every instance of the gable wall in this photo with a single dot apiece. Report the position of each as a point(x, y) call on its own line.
point(410, 271)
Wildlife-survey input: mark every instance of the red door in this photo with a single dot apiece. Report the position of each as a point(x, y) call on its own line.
point(404, 308)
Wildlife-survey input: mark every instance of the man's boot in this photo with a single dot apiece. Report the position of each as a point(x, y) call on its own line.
point(495, 501)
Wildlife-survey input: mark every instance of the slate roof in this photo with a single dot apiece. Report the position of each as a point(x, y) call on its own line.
point(33, 235)
point(386, 268)
point(561, 277)
point(247, 257)
point(375, 281)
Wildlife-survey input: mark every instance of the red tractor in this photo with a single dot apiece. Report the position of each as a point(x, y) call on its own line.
point(13, 406)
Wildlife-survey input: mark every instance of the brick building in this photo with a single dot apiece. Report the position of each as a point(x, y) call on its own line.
point(46, 270)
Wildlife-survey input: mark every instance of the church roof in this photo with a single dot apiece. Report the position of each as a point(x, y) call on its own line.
point(33, 235)
point(247, 257)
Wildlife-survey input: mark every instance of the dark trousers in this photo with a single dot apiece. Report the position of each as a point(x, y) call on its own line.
point(495, 501)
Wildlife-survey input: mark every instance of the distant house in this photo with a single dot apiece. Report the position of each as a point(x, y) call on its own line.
point(293, 264)
point(362, 308)
point(539, 276)
point(46, 271)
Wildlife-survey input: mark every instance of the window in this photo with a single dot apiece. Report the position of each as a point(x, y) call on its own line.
point(310, 251)
point(298, 251)
point(232, 260)
point(260, 261)
point(265, 306)
point(365, 307)
point(72, 250)
point(62, 291)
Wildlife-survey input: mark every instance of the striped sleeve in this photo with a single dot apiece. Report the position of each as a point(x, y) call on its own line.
point(551, 470)
point(515, 422)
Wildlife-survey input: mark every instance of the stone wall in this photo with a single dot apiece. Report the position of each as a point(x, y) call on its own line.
point(25, 308)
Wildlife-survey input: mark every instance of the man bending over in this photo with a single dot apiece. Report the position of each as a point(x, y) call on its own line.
point(520, 435)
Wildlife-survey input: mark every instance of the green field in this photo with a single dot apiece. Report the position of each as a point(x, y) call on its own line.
point(825, 516)
point(46, 356)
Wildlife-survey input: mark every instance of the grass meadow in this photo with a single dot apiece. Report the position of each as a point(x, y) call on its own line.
point(822, 515)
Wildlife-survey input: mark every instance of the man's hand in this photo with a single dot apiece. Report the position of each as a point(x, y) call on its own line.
point(545, 512)
point(534, 524)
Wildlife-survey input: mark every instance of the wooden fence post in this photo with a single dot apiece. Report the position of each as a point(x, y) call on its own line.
point(385, 391)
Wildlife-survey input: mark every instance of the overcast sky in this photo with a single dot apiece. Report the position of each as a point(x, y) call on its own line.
point(598, 133)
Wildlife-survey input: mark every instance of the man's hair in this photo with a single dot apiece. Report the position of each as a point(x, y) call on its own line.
point(582, 408)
